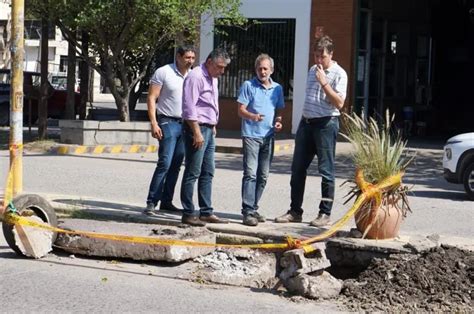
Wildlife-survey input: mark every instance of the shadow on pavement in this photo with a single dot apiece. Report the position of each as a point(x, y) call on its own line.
point(447, 195)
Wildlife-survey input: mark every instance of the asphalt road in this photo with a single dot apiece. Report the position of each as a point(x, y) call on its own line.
point(438, 207)
point(64, 284)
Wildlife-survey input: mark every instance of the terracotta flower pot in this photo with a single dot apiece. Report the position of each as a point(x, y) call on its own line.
point(386, 225)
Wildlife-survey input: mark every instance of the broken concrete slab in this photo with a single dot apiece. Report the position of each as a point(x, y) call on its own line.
point(418, 243)
point(85, 245)
point(350, 252)
point(296, 262)
point(238, 267)
point(32, 241)
point(268, 231)
point(227, 238)
point(320, 286)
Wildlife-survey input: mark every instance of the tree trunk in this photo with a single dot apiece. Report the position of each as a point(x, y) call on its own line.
point(43, 103)
point(124, 112)
point(135, 96)
point(84, 73)
point(70, 113)
point(121, 94)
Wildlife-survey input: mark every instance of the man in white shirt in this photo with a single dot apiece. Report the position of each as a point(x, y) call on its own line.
point(165, 98)
point(326, 89)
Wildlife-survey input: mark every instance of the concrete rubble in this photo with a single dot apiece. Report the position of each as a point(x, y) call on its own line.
point(303, 273)
point(238, 267)
point(320, 286)
point(85, 245)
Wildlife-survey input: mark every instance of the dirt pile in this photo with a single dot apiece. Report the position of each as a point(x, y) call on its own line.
point(438, 280)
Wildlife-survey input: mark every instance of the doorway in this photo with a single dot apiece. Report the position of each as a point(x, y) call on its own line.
point(416, 59)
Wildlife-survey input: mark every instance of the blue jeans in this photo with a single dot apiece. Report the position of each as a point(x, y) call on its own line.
point(258, 153)
point(315, 138)
point(170, 158)
point(199, 165)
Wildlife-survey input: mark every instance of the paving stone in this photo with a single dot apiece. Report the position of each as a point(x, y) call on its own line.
point(85, 245)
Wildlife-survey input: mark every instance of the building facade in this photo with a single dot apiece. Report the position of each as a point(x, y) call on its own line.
point(414, 58)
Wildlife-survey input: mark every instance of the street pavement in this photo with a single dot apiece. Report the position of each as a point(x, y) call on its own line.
point(123, 179)
point(62, 283)
point(120, 182)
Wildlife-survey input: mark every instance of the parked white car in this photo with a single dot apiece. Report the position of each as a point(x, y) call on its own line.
point(458, 161)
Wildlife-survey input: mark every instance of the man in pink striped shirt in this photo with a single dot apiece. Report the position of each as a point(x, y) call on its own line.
point(201, 114)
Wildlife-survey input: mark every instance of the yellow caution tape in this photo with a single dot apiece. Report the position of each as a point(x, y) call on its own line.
point(369, 192)
point(8, 195)
point(15, 219)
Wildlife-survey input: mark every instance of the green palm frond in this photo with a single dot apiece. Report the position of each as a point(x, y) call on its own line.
point(379, 151)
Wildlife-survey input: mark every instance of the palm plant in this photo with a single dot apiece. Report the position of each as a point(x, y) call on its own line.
point(378, 154)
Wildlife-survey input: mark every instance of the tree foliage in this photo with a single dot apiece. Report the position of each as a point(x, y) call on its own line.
point(124, 35)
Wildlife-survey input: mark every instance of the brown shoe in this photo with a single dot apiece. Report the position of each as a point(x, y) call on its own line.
point(192, 221)
point(320, 221)
point(289, 217)
point(213, 219)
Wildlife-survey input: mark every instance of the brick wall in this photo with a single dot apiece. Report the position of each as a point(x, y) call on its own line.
point(337, 19)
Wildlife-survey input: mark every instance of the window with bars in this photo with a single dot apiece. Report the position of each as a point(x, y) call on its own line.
point(276, 37)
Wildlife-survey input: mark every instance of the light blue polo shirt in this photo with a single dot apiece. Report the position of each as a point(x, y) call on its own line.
point(259, 99)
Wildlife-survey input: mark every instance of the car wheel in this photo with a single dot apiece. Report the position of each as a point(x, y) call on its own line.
point(468, 181)
point(4, 114)
point(30, 205)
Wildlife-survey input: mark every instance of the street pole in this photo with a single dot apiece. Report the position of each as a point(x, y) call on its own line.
point(16, 97)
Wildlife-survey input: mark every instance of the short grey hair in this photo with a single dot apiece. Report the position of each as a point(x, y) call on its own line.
point(264, 56)
point(323, 43)
point(219, 53)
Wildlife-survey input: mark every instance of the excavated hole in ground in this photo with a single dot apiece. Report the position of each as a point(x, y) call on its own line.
point(440, 279)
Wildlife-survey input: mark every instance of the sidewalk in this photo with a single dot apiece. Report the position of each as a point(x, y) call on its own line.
point(234, 232)
point(224, 144)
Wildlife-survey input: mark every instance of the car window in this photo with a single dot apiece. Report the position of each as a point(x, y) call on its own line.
point(35, 80)
point(5, 77)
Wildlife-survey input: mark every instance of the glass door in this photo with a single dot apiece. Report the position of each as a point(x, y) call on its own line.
point(363, 61)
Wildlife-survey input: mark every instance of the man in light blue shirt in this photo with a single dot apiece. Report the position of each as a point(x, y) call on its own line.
point(260, 102)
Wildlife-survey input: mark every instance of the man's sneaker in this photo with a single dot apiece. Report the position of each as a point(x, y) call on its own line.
point(192, 221)
point(259, 217)
point(290, 216)
point(150, 209)
point(250, 220)
point(320, 221)
point(170, 207)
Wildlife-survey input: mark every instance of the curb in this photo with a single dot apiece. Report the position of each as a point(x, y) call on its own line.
point(134, 149)
point(102, 149)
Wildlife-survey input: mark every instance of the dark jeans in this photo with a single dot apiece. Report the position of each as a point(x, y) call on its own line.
point(170, 158)
point(199, 165)
point(258, 153)
point(315, 137)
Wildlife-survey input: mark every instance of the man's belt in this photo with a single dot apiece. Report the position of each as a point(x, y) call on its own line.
point(316, 120)
point(171, 118)
point(207, 125)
